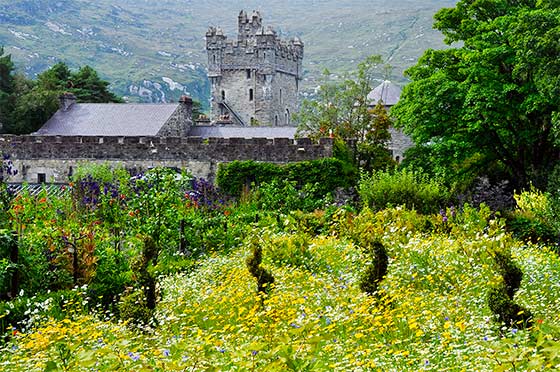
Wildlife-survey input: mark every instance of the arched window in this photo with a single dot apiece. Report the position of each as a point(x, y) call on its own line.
point(287, 117)
point(280, 96)
point(214, 58)
point(223, 95)
point(251, 94)
point(276, 120)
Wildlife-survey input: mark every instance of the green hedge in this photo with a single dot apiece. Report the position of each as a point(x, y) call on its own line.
point(327, 174)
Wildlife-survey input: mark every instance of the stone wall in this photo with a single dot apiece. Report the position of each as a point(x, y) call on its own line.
point(55, 157)
point(399, 143)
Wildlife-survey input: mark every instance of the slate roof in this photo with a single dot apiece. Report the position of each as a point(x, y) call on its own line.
point(109, 119)
point(387, 91)
point(242, 132)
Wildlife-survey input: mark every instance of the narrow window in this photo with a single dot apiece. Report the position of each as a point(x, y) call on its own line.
point(280, 96)
point(248, 74)
point(223, 95)
point(251, 94)
point(41, 178)
point(214, 58)
point(276, 120)
point(287, 117)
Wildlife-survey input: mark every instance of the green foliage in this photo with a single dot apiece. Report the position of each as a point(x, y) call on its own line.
point(264, 278)
point(535, 218)
point(325, 175)
point(6, 86)
point(290, 250)
point(112, 276)
point(342, 109)
point(34, 102)
point(382, 189)
point(133, 307)
point(487, 104)
point(500, 297)
point(284, 196)
point(376, 271)
point(23, 312)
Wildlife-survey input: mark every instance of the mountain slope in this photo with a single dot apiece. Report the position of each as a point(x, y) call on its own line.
point(154, 51)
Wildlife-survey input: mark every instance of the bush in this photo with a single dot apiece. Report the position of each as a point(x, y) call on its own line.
point(133, 307)
point(327, 173)
point(264, 277)
point(535, 218)
point(385, 189)
point(290, 250)
point(500, 297)
point(377, 270)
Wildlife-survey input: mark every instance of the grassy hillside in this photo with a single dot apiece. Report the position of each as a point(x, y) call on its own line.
point(154, 51)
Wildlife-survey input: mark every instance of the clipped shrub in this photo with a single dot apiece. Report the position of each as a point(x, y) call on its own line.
point(264, 277)
point(500, 297)
point(284, 196)
point(385, 189)
point(376, 271)
point(507, 311)
point(328, 174)
point(133, 307)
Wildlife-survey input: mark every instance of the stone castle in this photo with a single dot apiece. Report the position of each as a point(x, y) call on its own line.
point(255, 82)
point(255, 78)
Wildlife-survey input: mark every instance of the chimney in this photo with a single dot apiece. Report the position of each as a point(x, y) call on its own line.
point(66, 101)
point(186, 114)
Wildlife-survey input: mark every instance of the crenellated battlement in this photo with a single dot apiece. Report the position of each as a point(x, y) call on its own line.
point(56, 156)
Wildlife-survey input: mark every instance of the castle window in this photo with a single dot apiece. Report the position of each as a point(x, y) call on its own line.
point(41, 178)
point(248, 73)
point(280, 96)
point(251, 94)
point(214, 58)
point(276, 120)
point(223, 95)
point(287, 117)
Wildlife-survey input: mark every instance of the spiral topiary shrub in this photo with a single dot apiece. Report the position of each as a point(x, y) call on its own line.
point(377, 270)
point(264, 277)
point(500, 297)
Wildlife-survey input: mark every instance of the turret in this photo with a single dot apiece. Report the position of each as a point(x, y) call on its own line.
point(248, 27)
point(215, 41)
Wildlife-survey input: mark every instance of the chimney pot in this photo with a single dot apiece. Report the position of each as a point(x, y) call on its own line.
point(185, 99)
point(66, 101)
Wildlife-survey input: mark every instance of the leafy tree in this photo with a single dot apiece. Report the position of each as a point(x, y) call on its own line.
point(88, 87)
point(34, 102)
point(488, 104)
point(342, 109)
point(6, 86)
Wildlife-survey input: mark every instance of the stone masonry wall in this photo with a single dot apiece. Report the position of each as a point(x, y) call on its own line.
point(55, 157)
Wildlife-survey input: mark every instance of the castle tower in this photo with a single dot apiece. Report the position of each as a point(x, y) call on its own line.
point(255, 80)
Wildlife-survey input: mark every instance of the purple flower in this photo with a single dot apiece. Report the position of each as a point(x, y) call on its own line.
point(166, 352)
point(254, 352)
